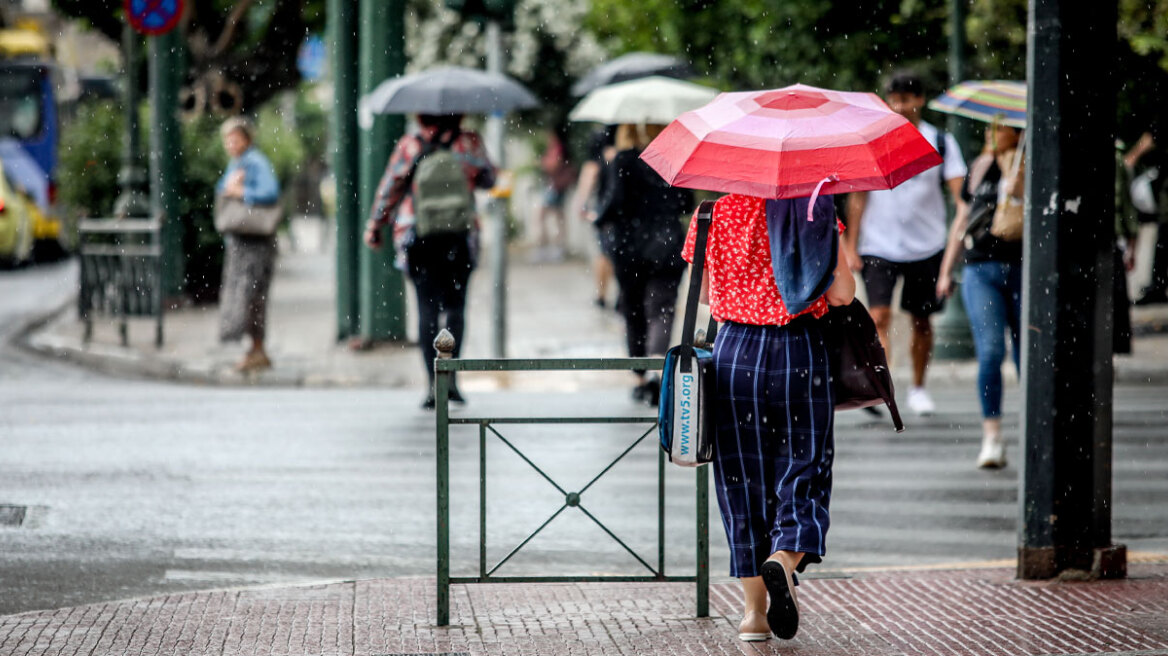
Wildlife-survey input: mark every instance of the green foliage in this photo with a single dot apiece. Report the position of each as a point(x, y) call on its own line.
point(759, 44)
point(90, 156)
point(203, 162)
point(91, 152)
point(279, 140)
point(1144, 24)
point(996, 37)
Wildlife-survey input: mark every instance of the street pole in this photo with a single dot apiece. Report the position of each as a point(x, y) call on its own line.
point(496, 208)
point(382, 55)
point(342, 25)
point(1066, 357)
point(166, 73)
point(954, 339)
point(133, 201)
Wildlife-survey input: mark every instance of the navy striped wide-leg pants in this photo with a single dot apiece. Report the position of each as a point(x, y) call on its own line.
point(774, 448)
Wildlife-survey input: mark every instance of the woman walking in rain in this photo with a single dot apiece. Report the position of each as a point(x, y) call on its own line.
point(644, 214)
point(992, 285)
point(773, 447)
point(250, 260)
point(773, 268)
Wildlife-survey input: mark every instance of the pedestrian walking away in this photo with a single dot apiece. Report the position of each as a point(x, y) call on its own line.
point(644, 214)
point(1147, 166)
point(774, 448)
point(900, 233)
point(426, 197)
point(992, 284)
point(560, 174)
point(250, 256)
point(590, 187)
point(1127, 233)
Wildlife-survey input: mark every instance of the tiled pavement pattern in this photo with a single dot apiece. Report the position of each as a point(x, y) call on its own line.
point(979, 611)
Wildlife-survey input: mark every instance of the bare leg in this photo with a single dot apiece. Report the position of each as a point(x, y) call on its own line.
point(754, 615)
point(561, 227)
point(542, 226)
point(602, 270)
point(882, 317)
point(921, 348)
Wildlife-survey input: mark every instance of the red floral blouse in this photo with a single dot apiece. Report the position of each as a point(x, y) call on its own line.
point(738, 264)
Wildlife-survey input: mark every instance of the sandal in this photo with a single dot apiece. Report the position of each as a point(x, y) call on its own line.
point(752, 636)
point(783, 613)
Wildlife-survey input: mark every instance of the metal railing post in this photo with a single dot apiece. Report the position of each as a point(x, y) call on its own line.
point(444, 343)
point(703, 547)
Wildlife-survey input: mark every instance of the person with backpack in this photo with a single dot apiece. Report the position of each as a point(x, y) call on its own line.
point(900, 233)
point(426, 196)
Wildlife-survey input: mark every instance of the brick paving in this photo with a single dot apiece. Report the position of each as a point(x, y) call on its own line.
point(977, 611)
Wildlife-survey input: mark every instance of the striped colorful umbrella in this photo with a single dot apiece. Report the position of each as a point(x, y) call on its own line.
point(791, 142)
point(1003, 101)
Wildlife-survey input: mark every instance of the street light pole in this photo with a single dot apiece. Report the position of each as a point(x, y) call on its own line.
point(166, 73)
point(496, 207)
point(1066, 310)
point(382, 55)
point(343, 26)
point(954, 339)
point(133, 201)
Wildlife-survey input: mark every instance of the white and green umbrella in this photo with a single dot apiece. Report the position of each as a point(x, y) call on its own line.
point(646, 100)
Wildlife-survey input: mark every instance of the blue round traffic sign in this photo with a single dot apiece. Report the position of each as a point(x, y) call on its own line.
point(154, 17)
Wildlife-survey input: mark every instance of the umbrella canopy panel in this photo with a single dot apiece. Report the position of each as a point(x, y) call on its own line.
point(630, 67)
point(653, 99)
point(786, 142)
point(993, 100)
point(448, 90)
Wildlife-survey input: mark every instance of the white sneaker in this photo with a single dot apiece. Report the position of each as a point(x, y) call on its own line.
point(993, 452)
point(920, 402)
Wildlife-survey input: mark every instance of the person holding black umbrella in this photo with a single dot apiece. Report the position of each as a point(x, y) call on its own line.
point(427, 198)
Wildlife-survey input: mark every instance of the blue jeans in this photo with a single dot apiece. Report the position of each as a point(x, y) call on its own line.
point(992, 292)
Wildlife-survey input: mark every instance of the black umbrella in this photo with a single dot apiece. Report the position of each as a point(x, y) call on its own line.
point(448, 90)
point(630, 67)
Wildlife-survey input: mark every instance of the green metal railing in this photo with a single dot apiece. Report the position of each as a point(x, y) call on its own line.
point(445, 368)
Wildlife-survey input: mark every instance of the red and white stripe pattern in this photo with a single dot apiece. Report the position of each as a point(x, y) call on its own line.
point(784, 142)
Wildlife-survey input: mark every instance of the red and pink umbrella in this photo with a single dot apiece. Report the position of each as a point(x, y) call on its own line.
point(791, 142)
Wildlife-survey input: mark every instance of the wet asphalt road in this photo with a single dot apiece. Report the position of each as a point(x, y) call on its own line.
point(122, 488)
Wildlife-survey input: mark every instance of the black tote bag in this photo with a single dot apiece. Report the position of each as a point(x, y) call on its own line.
point(859, 367)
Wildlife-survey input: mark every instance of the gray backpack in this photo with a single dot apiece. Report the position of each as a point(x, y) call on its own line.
point(443, 203)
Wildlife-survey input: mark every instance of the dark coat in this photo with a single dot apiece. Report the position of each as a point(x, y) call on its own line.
point(644, 213)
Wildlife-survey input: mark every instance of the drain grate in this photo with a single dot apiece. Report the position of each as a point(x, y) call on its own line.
point(12, 515)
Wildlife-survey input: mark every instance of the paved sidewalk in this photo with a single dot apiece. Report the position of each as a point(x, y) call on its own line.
point(550, 314)
point(978, 611)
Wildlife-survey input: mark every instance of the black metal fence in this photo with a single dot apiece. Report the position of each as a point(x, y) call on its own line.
point(121, 273)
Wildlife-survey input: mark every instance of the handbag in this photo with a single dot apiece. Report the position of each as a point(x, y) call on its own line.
point(1010, 214)
point(859, 368)
point(685, 409)
point(233, 216)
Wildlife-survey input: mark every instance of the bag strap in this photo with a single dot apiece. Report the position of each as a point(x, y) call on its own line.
point(942, 146)
point(705, 217)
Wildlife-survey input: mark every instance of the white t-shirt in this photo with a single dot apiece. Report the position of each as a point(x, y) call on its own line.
point(907, 223)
